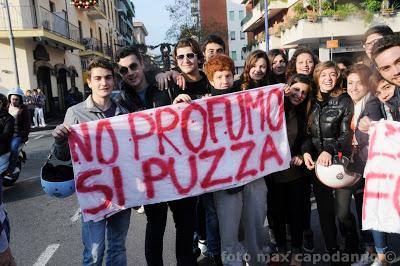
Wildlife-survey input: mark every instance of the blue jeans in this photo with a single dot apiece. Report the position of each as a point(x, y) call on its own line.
point(212, 227)
point(381, 242)
point(14, 145)
point(93, 234)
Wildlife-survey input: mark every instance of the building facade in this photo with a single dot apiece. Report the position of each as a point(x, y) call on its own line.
point(295, 23)
point(139, 32)
point(237, 38)
point(223, 18)
point(54, 41)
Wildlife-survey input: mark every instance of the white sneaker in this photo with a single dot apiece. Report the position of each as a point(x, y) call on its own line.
point(203, 247)
point(16, 170)
point(141, 209)
point(33, 126)
point(365, 259)
point(43, 125)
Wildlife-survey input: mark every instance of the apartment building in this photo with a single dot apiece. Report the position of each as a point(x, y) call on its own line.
point(140, 32)
point(293, 22)
point(55, 40)
point(222, 17)
point(237, 38)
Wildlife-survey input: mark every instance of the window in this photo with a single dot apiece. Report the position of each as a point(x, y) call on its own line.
point(242, 55)
point(91, 33)
point(52, 6)
point(241, 14)
point(233, 55)
point(233, 37)
point(231, 15)
point(242, 35)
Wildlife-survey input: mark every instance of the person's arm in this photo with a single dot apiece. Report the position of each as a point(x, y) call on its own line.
point(60, 134)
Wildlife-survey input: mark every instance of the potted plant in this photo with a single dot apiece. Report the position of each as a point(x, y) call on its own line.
point(312, 17)
point(386, 10)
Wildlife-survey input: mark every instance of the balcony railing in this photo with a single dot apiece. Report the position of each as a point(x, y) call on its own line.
point(93, 44)
point(28, 17)
point(259, 7)
point(56, 24)
point(98, 11)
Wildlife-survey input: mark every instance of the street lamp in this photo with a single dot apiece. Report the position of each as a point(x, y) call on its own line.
point(266, 26)
point(11, 36)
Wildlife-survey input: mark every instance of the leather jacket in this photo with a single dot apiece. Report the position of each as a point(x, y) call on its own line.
point(329, 129)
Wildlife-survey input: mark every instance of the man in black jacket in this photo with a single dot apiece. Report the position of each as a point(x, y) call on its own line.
point(139, 92)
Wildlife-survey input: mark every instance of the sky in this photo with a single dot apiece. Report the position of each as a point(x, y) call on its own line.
point(155, 18)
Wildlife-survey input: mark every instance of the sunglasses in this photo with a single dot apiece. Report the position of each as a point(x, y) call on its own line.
point(124, 70)
point(189, 56)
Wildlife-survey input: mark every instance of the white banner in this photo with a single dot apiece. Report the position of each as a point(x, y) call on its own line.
point(178, 151)
point(381, 209)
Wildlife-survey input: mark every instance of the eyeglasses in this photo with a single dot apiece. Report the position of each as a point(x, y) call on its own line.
point(370, 44)
point(124, 70)
point(189, 56)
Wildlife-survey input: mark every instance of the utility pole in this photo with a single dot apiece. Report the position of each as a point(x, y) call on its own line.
point(266, 26)
point(11, 36)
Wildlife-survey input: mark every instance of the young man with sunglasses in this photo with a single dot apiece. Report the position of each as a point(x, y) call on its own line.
point(97, 106)
point(138, 88)
point(188, 57)
point(138, 92)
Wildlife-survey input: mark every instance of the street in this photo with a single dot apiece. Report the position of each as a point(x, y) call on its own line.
point(46, 231)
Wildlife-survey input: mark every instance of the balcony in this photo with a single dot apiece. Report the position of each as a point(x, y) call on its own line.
point(352, 27)
point(97, 12)
point(94, 47)
point(40, 23)
point(255, 18)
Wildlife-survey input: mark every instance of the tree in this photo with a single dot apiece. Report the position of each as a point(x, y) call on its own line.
point(182, 23)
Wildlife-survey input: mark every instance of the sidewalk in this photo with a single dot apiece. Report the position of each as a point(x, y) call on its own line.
point(51, 123)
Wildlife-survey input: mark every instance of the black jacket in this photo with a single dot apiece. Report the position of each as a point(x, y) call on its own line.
point(195, 89)
point(330, 126)
point(375, 110)
point(129, 99)
point(6, 131)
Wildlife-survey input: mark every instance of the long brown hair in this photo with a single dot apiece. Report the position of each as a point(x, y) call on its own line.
point(337, 90)
point(291, 66)
point(363, 72)
point(247, 81)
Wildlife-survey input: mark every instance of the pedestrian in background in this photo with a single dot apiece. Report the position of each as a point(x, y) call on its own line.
point(39, 100)
point(29, 102)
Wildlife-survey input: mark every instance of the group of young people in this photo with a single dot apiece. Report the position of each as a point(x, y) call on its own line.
point(35, 101)
point(324, 116)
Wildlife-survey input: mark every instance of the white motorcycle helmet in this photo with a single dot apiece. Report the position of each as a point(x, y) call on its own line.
point(336, 175)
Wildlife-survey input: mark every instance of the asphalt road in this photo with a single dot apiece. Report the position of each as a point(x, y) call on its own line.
point(46, 231)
